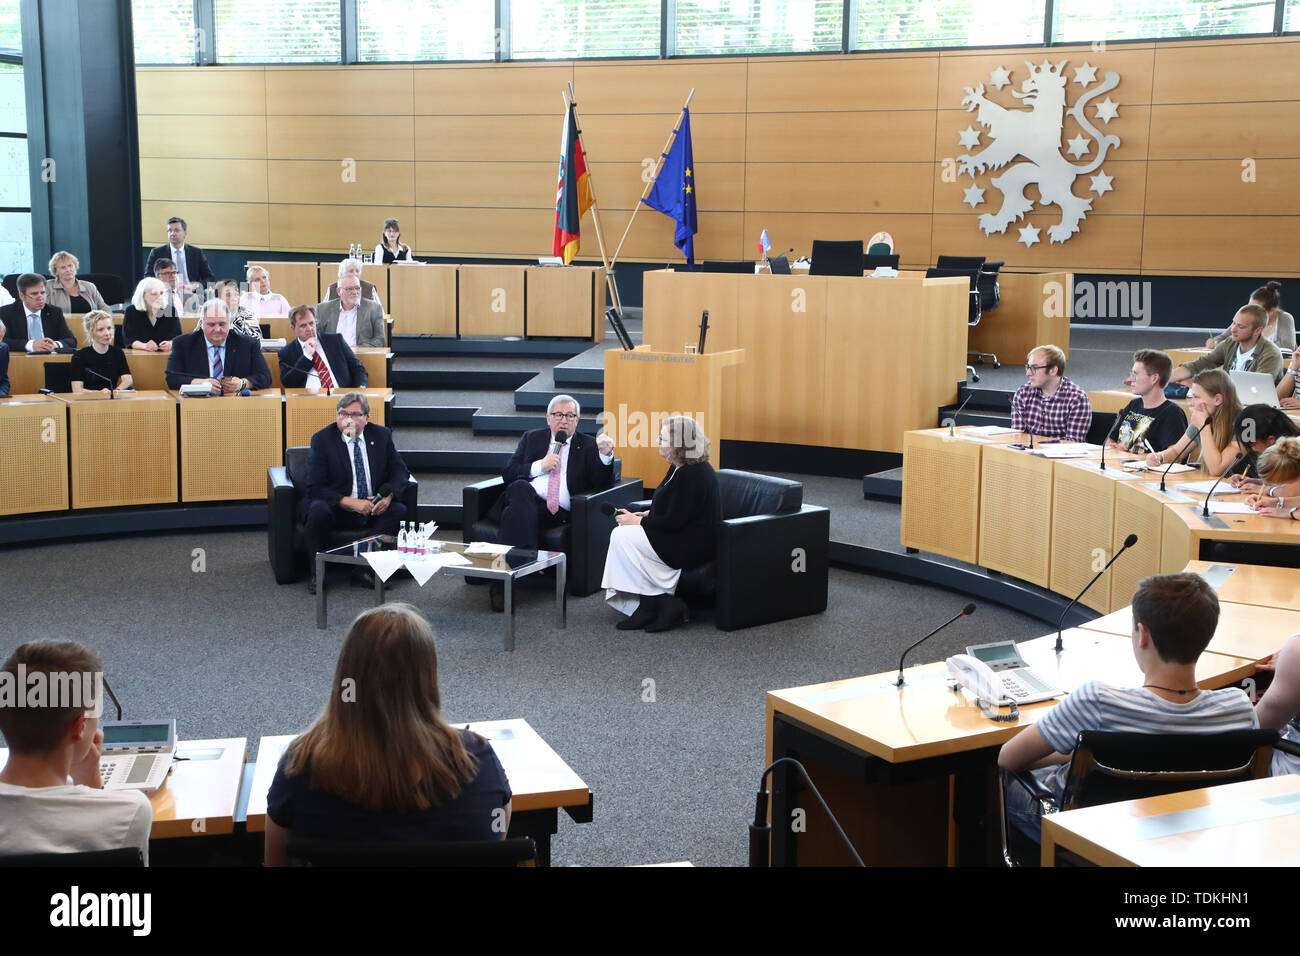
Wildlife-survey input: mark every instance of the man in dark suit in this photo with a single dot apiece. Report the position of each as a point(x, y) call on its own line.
point(225, 360)
point(354, 474)
point(550, 465)
point(173, 301)
point(191, 263)
point(318, 360)
point(4, 370)
point(30, 324)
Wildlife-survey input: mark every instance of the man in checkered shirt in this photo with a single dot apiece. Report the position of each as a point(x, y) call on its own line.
point(1049, 404)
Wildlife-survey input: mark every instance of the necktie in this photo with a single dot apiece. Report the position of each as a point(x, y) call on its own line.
point(35, 330)
point(362, 490)
point(322, 372)
point(217, 368)
point(553, 485)
point(181, 274)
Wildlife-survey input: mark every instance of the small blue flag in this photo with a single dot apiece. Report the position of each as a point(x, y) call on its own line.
point(673, 193)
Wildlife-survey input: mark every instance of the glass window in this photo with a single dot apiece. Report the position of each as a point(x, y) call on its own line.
point(164, 31)
point(1291, 19)
point(571, 29)
point(11, 35)
point(290, 31)
point(404, 30)
point(15, 184)
point(759, 26)
point(905, 24)
point(1085, 21)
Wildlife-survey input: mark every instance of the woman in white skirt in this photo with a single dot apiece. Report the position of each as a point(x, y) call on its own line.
point(649, 549)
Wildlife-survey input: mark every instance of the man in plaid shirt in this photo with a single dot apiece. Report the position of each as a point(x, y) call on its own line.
point(1049, 404)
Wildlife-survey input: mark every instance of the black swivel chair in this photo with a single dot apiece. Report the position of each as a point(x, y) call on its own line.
point(313, 851)
point(58, 376)
point(1110, 767)
point(833, 257)
point(286, 490)
point(110, 287)
point(873, 261)
point(986, 296)
point(584, 540)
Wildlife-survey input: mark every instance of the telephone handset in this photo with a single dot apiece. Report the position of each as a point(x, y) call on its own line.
point(978, 678)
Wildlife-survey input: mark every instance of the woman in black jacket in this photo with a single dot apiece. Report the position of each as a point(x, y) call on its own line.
point(649, 549)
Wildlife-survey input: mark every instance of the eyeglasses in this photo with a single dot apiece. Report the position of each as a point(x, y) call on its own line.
point(353, 414)
point(567, 416)
point(1035, 368)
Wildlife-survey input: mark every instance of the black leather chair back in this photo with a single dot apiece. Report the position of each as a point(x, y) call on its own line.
point(744, 494)
point(295, 466)
point(834, 257)
point(872, 261)
point(58, 376)
point(111, 287)
point(959, 262)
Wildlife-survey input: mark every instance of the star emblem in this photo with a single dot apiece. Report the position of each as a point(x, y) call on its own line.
point(1107, 110)
point(1101, 183)
point(1000, 77)
point(688, 171)
point(688, 190)
point(969, 137)
point(1028, 235)
point(1079, 146)
point(1083, 75)
point(974, 196)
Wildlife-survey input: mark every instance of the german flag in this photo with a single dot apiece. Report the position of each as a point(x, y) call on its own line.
point(573, 193)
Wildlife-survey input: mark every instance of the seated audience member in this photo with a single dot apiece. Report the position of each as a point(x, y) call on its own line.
point(649, 549)
point(354, 474)
point(550, 465)
point(1257, 428)
point(241, 320)
point(381, 763)
point(100, 366)
point(358, 320)
point(1280, 328)
point(1150, 420)
point(259, 299)
point(1213, 402)
point(1049, 404)
point(66, 291)
point(30, 324)
point(52, 799)
point(1174, 617)
point(1279, 708)
point(4, 370)
point(1245, 351)
point(225, 360)
point(1288, 386)
point(318, 360)
point(353, 267)
point(175, 301)
point(1279, 472)
point(145, 326)
point(191, 264)
point(391, 248)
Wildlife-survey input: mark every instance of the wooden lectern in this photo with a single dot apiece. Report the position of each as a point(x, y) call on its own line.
point(643, 387)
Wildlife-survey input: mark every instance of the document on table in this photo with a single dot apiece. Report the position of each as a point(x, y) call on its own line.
point(1231, 508)
point(487, 547)
point(422, 567)
point(990, 430)
point(1064, 450)
point(1203, 487)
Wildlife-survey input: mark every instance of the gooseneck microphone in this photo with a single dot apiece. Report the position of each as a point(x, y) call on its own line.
point(760, 831)
point(112, 388)
point(1060, 625)
point(952, 422)
point(1205, 509)
point(1194, 434)
point(1105, 440)
point(967, 611)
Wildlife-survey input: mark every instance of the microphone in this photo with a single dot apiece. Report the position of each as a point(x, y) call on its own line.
point(967, 611)
point(46, 391)
point(1060, 625)
point(105, 378)
point(1194, 434)
point(1106, 439)
point(1205, 510)
point(760, 831)
point(704, 330)
point(952, 422)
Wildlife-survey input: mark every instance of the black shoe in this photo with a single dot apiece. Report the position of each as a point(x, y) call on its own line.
point(643, 615)
point(362, 578)
point(672, 612)
point(497, 596)
point(311, 585)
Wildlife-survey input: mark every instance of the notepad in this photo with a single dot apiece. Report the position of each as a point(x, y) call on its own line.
point(990, 430)
point(1203, 487)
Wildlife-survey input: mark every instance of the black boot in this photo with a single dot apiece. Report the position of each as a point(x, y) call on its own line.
point(643, 615)
point(671, 612)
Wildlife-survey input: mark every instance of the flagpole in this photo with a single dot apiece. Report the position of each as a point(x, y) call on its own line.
point(658, 165)
point(595, 206)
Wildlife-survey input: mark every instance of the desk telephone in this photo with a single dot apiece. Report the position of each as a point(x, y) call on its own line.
point(978, 678)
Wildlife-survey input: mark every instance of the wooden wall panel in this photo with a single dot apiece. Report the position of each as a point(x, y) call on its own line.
point(195, 91)
point(1241, 71)
point(487, 138)
point(219, 225)
point(504, 185)
point(176, 137)
point(490, 90)
point(1223, 245)
point(204, 180)
point(1225, 130)
point(521, 233)
point(349, 91)
point(837, 84)
point(1105, 244)
point(370, 184)
point(911, 232)
point(619, 185)
point(377, 138)
point(714, 139)
point(651, 238)
point(303, 228)
point(901, 137)
point(623, 88)
point(1214, 187)
point(847, 187)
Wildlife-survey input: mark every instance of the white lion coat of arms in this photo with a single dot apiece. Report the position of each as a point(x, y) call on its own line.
point(1035, 134)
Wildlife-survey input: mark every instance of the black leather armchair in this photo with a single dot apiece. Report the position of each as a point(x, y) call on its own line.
point(585, 539)
point(286, 489)
point(773, 555)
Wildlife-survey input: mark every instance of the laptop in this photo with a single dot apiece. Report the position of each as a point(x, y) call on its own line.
point(1255, 388)
point(137, 754)
point(1019, 681)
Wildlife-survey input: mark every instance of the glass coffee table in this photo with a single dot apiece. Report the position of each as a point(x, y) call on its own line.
point(506, 568)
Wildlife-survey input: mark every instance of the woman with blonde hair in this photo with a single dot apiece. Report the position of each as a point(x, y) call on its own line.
point(649, 549)
point(1214, 407)
point(380, 762)
point(259, 300)
point(1279, 471)
point(66, 291)
point(100, 366)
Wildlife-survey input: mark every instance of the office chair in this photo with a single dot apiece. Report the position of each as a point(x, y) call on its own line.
point(58, 376)
point(314, 851)
point(872, 261)
point(832, 257)
point(881, 244)
point(110, 286)
point(123, 856)
point(959, 262)
point(1109, 767)
point(743, 267)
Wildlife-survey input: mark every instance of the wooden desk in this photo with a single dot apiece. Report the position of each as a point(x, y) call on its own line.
point(1190, 354)
point(1015, 496)
point(934, 518)
point(554, 292)
point(1255, 584)
point(540, 781)
point(298, 282)
point(306, 413)
point(34, 436)
point(1085, 531)
point(227, 443)
point(27, 370)
point(491, 300)
point(1252, 823)
point(373, 360)
point(422, 299)
point(1245, 630)
point(123, 449)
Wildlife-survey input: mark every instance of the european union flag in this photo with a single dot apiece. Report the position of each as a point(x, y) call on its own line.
point(673, 193)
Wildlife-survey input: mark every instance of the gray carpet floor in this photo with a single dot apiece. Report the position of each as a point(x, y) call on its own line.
point(229, 653)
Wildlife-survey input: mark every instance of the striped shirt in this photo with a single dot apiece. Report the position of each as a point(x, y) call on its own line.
point(1098, 706)
point(1067, 413)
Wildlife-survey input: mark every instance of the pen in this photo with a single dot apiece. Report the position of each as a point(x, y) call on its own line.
point(1148, 444)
